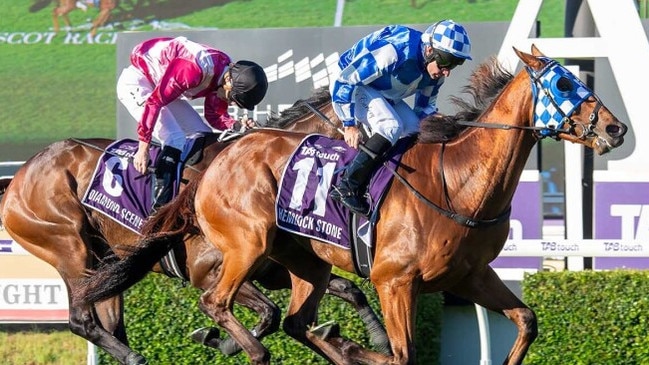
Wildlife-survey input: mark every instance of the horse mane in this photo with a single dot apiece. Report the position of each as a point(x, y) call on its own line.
point(319, 98)
point(485, 83)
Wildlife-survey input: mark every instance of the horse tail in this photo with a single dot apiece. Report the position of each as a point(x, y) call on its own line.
point(177, 217)
point(114, 277)
point(167, 228)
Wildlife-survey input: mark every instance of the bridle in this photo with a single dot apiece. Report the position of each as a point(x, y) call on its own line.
point(561, 93)
point(553, 112)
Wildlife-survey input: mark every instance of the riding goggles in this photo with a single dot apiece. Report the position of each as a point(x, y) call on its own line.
point(446, 60)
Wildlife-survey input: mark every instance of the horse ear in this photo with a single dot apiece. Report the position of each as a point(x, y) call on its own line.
point(536, 52)
point(528, 59)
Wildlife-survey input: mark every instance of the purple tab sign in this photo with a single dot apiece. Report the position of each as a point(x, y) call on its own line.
point(621, 213)
point(117, 189)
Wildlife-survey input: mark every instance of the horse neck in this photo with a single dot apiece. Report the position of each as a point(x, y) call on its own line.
point(483, 167)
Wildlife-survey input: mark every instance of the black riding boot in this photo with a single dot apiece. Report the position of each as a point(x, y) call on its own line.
point(353, 184)
point(165, 176)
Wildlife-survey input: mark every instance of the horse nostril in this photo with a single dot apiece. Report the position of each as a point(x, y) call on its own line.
point(616, 130)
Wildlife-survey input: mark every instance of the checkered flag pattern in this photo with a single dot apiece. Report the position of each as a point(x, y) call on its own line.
point(546, 113)
point(451, 37)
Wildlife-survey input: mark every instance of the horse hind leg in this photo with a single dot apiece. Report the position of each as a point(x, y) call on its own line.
point(55, 21)
point(216, 302)
point(250, 297)
point(103, 322)
point(87, 322)
point(489, 291)
point(58, 242)
point(310, 279)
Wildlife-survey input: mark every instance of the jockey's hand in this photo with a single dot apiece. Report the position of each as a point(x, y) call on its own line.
point(353, 136)
point(243, 124)
point(141, 158)
point(248, 123)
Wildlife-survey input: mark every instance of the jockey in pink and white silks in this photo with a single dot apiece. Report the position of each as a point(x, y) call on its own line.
point(163, 74)
point(376, 75)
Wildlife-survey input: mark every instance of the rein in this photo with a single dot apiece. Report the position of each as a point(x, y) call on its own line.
point(458, 218)
point(508, 127)
point(130, 159)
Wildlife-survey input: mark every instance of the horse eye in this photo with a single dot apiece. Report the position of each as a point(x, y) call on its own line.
point(564, 84)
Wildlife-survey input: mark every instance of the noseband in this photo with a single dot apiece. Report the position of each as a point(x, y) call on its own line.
point(557, 93)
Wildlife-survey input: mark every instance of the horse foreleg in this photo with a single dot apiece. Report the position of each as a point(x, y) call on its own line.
point(488, 290)
point(309, 280)
point(348, 291)
point(341, 350)
point(398, 298)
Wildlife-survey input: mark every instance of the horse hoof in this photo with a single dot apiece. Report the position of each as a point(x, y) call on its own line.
point(207, 336)
point(229, 347)
point(326, 330)
point(135, 359)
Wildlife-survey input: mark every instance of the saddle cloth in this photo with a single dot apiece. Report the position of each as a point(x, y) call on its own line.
point(119, 191)
point(303, 205)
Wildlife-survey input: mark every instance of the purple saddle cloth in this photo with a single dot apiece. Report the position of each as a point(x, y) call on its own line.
point(303, 205)
point(121, 192)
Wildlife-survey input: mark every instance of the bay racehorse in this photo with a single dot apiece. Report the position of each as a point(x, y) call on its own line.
point(439, 227)
point(41, 210)
point(63, 7)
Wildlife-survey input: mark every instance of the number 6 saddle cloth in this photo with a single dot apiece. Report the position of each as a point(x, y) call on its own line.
point(123, 194)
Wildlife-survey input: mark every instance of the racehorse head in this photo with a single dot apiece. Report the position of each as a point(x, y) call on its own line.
point(565, 108)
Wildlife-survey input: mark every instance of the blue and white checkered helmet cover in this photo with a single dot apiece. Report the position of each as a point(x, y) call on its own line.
point(448, 36)
point(545, 112)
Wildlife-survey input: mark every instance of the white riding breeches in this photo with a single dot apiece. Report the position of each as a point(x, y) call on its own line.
point(176, 120)
point(391, 120)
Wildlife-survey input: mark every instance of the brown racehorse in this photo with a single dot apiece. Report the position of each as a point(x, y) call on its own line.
point(440, 225)
point(63, 7)
point(41, 210)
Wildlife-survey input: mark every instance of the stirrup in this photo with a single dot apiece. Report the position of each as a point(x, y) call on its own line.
point(338, 194)
point(362, 207)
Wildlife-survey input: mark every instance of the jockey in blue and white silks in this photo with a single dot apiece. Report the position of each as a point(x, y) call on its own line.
point(376, 75)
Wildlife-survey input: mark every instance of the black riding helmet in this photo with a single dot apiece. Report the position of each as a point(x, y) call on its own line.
point(249, 84)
